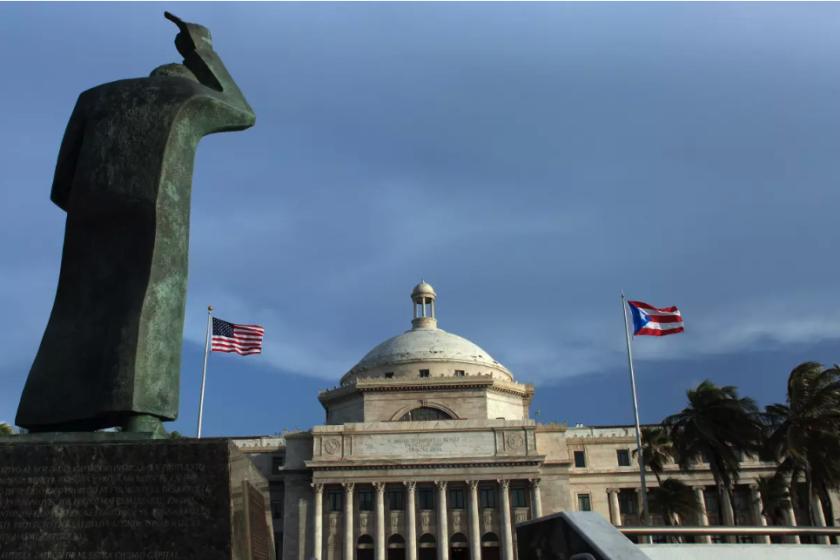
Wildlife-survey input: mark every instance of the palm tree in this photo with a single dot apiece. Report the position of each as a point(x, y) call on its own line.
point(774, 498)
point(175, 435)
point(6, 429)
point(805, 432)
point(674, 500)
point(657, 450)
point(716, 424)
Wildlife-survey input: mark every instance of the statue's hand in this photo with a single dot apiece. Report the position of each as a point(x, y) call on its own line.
point(192, 36)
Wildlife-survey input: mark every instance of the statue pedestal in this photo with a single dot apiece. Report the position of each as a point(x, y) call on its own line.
point(128, 497)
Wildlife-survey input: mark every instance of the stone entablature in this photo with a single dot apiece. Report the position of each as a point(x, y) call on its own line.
point(260, 444)
point(380, 384)
point(422, 442)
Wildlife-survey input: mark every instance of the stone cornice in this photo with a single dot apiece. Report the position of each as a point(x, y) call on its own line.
point(533, 461)
point(470, 382)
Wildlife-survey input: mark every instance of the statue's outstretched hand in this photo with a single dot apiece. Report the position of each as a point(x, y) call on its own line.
point(191, 37)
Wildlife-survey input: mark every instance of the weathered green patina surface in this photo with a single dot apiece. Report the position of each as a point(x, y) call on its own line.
point(111, 352)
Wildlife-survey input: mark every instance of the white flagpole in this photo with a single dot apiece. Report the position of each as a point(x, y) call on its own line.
point(636, 413)
point(204, 374)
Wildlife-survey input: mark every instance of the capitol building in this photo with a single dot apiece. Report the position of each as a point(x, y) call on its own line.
point(429, 452)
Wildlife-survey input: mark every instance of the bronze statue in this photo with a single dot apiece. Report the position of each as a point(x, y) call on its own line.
point(111, 352)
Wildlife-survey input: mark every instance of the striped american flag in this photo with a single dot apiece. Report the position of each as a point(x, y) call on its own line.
point(650, 321)
point(242, 339)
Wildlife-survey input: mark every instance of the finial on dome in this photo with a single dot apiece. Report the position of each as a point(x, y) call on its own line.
point(423, 295)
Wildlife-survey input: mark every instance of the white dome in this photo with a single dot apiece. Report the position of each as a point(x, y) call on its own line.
point(426, 345)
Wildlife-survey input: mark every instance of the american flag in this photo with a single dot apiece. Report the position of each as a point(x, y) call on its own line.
point(648, 320)
point(242, 339)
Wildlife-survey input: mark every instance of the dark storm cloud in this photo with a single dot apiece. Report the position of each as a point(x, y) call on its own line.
point(528, 160)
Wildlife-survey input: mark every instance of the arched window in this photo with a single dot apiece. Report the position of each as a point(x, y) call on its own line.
point(364, 540)
point(490, 539)
point(425, 413)
point(459, 540)
point(428, 541)
point(396, 541)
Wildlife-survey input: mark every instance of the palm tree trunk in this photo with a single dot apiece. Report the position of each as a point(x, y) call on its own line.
point(810, 503)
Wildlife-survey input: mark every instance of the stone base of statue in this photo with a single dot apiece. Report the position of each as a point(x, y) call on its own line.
point(111, 496)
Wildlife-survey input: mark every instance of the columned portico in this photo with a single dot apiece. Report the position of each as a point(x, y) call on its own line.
point(443, 522)
point(411, 521)
point(318, 522)
point(349, 541)
point(790, 521)
point(475, 533)
point(379, 489)
point(819, 517)
point(507, 533)
point(615, 513)
point(536, 498)
point(755, 500)
point(702, 516)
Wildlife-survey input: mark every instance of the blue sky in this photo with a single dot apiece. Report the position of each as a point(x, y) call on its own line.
point(530, 161)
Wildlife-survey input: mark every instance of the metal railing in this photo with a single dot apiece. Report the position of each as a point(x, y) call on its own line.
point(731, 530)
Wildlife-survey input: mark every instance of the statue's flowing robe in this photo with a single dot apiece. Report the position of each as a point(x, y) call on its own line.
point(112, 347)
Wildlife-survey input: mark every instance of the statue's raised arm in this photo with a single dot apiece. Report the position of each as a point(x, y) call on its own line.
point(195, 44)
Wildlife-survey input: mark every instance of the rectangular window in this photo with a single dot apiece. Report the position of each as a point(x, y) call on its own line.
point(623, 457)
point(580, 459)
point(627, 502)
point(488, 497)
point(277, 464)
point(459, 373)
point(456, 498)
point(742, 501)
point(395, 500)
point(389, 375)
point(711, 499)
point(704, 457)
point(426, 498)
point(517, 496)
point(277, 510)
point(583, 503)
point(365, 500)
point(335, 500)
point(738, 454)
point(424, 373)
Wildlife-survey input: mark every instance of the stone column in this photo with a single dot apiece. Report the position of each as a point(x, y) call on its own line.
point(536, 498)
point(411, 521)
point(819, 518)
point(640, 505)
point(379, 490)
point(475, 533)
point(759, 518)
point(318, 529)
point(349, 541)
point(443, 522)
point(615, 512)
point(702, 517)
point(790, 521)
point(507, 530)
point(728, 517)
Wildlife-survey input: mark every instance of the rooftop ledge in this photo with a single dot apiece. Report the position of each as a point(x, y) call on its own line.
point(421, 383)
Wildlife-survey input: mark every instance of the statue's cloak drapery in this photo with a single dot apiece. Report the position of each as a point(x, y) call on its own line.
point(112, 347)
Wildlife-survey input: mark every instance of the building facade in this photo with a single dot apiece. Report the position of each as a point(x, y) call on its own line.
point(429, 453)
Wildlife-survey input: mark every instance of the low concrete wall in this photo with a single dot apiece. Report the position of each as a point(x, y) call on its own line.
point(741, 552)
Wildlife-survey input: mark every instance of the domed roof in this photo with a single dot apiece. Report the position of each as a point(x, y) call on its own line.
point(422, 289)
point(425, 345)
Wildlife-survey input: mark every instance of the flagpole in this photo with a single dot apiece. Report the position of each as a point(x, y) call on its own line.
point(204, 373)
point(636, 413)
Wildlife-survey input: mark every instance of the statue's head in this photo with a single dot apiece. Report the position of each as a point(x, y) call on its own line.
point(174, 71)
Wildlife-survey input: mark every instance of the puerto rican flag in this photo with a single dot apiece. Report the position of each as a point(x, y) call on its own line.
point(648, 320)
